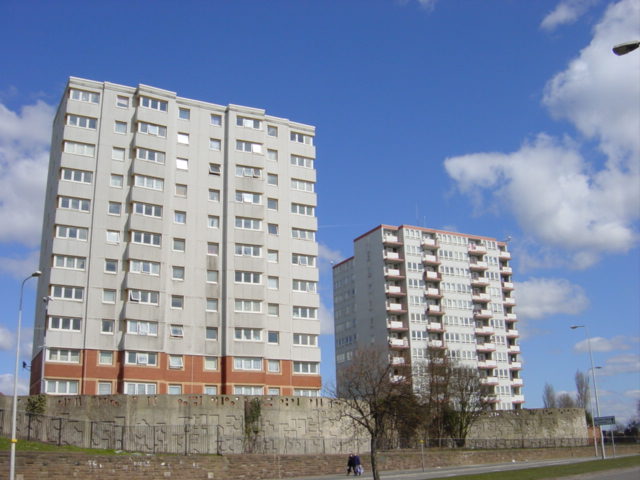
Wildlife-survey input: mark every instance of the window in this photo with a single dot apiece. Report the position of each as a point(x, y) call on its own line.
point(82, 122)
point(77, 148)
point(66, 292)
point(251, 147)
point(273, 283)
point(302, 234)
point(183, 138)
point(131, 388)
point(64, 323)
point(272, 228)
point(246, 223)
point(248, 306)
point(211, 333)
point(72, 263)
point(63, 355)
point(242, 171)
point(299, 161)
point(176, 361)
point(248, 334)
point(145, 238)
point(243, 249)
point(61, 387)
point(210, 363)
point(141, 358)
point(120, 127)
point(113, 236)
point(303, 260)
point(212, 276)
point(273, 366)
point(248, 390)
point(272, 256)
point(150, 155)
point(142, 327)
point(122, 101)
point(305, 339)
point(247, 363)
point(114, 208)
point(177, 273)
point(176, 331)
point(107, 326)
point(301, 138)
point(300, 209)
point(272, 203)
point(216, 119)
point(71, 203)
point(213, 221)
point(248, 197)
point(305, 312)
point(215, 144)
point(214, 195)
point(274, 391)
point(273, 309)
point(80, 176)
point(84, 96)
point(105, 358)
point(184, 113)
point(144, 267)
point(272, 131)
point(307, 286)
point(146, 297)
point(151, 183)
point(272, 179)
point(179, 245)
point(273, 337)
point(305, 367)
point(118, 154)
point(248, 277)
point(180, 217)
point(177, 301)
point(210, 390)
point(214, 169)
point(152, 129)
point(249, 123)
point(108, 296)
point(104, 388)
point(77, 233)
point(181, 190)
point(272, 155)
point(212, 305)
point(116, 181)
point(305, 392)
point(213, 248)
point(153, 103)
point(303, 185)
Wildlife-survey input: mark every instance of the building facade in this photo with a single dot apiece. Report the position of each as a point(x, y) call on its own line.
point(412, 289)
point(178, 249)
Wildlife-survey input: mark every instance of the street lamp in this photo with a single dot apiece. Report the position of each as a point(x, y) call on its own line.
point(14, 413)
point(626, 47)
point(595, 386)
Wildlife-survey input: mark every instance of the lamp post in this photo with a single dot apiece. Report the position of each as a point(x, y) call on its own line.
point(626, 47)
point(14, 412)
point(595, 386)
point(46, 301)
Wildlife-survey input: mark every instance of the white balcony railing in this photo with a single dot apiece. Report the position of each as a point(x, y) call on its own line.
point(392, 255)
point(515, 365)
point(393, 289)
point(429, 242)
point(394, 306)
point(395, 324)
point(434, 326)
point(398, 342)
point(517, 382)
point(390, 239)
point(435, 343)
point(513, 349)
point(487, 364)
point(433, 275)
point(430, 258)
point(394, 272)
point(486, 346)
point(433, 292)
point(397, 361)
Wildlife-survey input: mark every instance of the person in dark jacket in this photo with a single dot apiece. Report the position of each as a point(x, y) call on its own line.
point(351, 464)
point(357, 465)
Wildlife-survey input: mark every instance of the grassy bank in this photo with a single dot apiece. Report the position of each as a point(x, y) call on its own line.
point(26, 446)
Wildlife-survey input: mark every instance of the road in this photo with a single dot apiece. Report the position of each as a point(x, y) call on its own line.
point(439, 472)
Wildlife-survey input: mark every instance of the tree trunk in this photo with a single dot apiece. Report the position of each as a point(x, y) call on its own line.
point(374, 458)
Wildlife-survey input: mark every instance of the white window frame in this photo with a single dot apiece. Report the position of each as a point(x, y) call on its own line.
point(254, 364)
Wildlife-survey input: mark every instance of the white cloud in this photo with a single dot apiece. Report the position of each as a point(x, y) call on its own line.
point(601, 344)
point(623, 363)
point(7, 340)
point(566, 12)
point(427, 4)
point(20, 267)
point(326, 319)
point(6, 384)
point(24, 146)
point(327, 258)
point(564, 203)
point(543, 297)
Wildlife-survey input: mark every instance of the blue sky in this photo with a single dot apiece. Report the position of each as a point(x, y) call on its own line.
point(501, 118)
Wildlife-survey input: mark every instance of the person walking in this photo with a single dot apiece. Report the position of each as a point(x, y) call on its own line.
point(351, 464)
point(357, 465)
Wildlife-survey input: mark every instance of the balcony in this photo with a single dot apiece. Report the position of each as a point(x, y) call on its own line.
point(505, 255)
point(513, 349)
point(432, 276)
point(434, 310)
point(515, 366)
point(513, 333)
point(506, 270)
point(486, 330)
point(517, 382)
point(486, 347)
point(507, 286)
point(481, 297)
point(393, 273)
point(398, 343)
point(430, 260)
point(434, 327)
point(390, 239)
point(430, 243)
point(476, 249)
point(487, 364)
point(511, 316)
point(396, 325)
point(433, 293)
point(489, 380)
point(395, 307)
point(393, 257)
point(509, 302)
point(478, 266)
point(517, 398)
point(479, 282)
point(398, 361)
point(394, 291)
point(482, 314)
point(435, 344)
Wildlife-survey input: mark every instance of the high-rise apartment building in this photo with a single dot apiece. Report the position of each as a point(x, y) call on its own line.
point(178, 249)
point(412, 289)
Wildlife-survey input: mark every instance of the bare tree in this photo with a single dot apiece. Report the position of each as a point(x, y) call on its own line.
point(431, 380)
point(583, 390)
point(370, 391)
point(549, 396)
point(565, 400)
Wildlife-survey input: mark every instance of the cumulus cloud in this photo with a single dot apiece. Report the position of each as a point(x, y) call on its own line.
point(566, 12)
point(326, 319)
point(559, 198)
point(20, 266)
point(6, 384)
point(24, 147)
point(624, 363)
point(542, 297)
point(601, 344)
point(7, 340)
point(327, 258)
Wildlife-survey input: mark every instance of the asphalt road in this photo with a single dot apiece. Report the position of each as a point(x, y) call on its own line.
point(430, 473)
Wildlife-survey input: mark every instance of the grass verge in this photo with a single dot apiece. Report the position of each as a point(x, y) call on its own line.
point(540, 473)
point(27, 446)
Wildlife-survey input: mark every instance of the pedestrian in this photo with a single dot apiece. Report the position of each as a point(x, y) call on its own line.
point(358, 467)
point(351, 464)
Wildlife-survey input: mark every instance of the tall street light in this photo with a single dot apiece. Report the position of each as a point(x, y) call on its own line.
point(595, 386)
point(626, 47)
point(14, 413)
